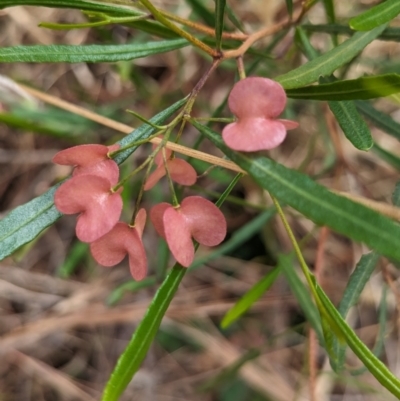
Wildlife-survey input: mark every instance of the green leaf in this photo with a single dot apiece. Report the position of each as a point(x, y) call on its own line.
point(354, 127)
point(76, 4)
point(328, 62)
point(302, 294)
point(133, 355)
point(330, 10)
point(396, 195)
point(392, 34)
point(201, 11)
point(86, 53)
point(77, 252)
point(219, 21)
point(373, 364)
point(387, 156)
point(26, 222)
point(315, 201)
point(234, 19)
point(289, 6)
point(379, 119)
point(248, 299)
point(352, 89)
point(375, 16)
point(352, 292)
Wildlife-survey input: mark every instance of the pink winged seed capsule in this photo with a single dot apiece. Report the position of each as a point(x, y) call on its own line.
point(257, 102)
point(123, 240)
point(180, 171)
point(196, 218)
point(90, 195)
point(90, 159)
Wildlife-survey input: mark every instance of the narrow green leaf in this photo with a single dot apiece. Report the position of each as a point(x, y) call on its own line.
point(387, 156)
point(27, 221)
point(133, 355)
point(315, 201)
point(351, 89)
point(202, 11)
point(379, 119)
point(248, 299)
point(390, 33)
point(380, 339)
point(83, 5)
point(357, 282)
point(396, 195)
point(302, 294)
point(376, 16)
point(115, 10)
point(328, 62)
point(358, 279)
point(330, 11)
point(219, 21)
point(77, 252)
point(86, 53)
point(373, 364)
point(353, 126)
point(289, 7)
point(234, 19)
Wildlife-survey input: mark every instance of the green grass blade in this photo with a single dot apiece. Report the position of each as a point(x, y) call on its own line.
point(289, 7)
point(328, 62)
point(387, 156)
point(330, 11)
point(351, 89)
point(377, 368)
point(201, 11)
point(391, 33)
point(101, 7)
point(302, 294)
point(396, 195)
point(87, 53)
point(375, 16)
point(248, 299)
point(133, 355)
point(219, 21)
point(353, 126)
point(379, 119)
point(380, 340)
point(27, 221)
point(352, 292)
point(315, 201)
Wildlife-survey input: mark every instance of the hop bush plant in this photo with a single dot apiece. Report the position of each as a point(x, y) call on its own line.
point(271, 63)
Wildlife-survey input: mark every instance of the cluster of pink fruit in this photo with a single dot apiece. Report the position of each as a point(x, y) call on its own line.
point(90, 192)
point(95, 194)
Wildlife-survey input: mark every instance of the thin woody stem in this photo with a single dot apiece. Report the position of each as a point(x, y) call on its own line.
point(203, 28)
point(166, 22)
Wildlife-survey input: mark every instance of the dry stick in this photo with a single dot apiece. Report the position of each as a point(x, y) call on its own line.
point(126, 129)
point(383, 208)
